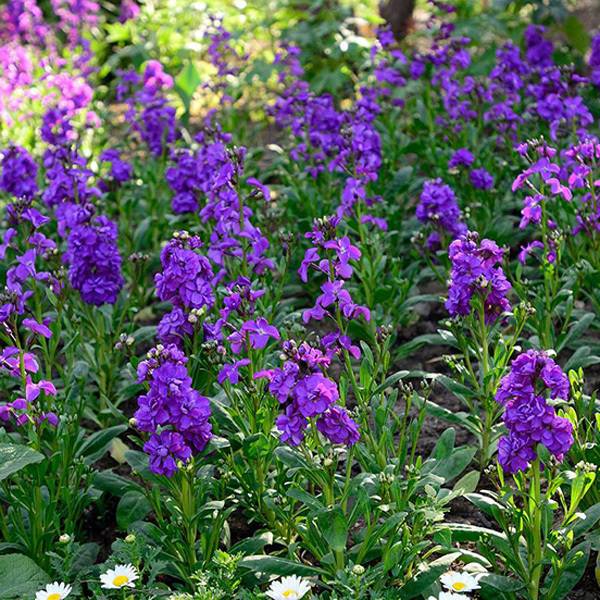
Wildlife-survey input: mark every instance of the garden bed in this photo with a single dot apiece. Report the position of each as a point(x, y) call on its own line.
point(296, 309)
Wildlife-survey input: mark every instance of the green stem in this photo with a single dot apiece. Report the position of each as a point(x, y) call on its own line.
point(535, 519)
point(486, 431)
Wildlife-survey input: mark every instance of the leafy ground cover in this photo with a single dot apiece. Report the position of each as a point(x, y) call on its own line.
point(295, 309)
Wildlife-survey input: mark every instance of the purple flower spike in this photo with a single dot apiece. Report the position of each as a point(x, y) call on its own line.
point(475, 271)
point(165, 450)
point(337, 426)
point(530, 420)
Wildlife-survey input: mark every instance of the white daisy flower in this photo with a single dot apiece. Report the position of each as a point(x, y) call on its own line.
point(54, 591)
point(459, 582)
point(119, 577)
point(288, 588)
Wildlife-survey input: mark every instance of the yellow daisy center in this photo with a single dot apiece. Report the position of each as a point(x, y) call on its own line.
point(53, 597)
point(120, 580)
point(458, 586)
point(290, 594)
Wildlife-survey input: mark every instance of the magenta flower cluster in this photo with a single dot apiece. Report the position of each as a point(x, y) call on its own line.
point(333, 257)
point(308, 395)
point(19, 173)
point(148, 108)
point(328, 139)
point(528, 416)
point(439, 209)
point(27, 270)
point(476, 272)
point(94, 261)
point(175, 414)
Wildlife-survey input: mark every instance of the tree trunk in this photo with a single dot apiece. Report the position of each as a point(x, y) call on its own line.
point(398, 15)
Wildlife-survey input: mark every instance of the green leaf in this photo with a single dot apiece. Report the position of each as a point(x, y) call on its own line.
point(307, 499)
point(577, 330)
point(468, 482)
point(485, 504)
point(581, 358)
point(592, 516)
point(335, 529)
point(253, 544)
point(20, 577)
point(418, 584)
point(390, 381)
point(291, 458)
point(458, 389)
point(187, 81)
point(97, 444)
point(273, 565)
point(501, 583)
point(576, 563)
point(576, 33)
point(455, 464)
point(114, 484)
point(86, 557)
point(445, 444)
point(14, 457)
point(138, 461)
point(132, 507)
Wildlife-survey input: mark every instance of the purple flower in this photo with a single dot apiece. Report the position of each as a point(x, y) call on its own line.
point(531, 373)
point(32, 390)
point(231, 372)
point(165, 450)
point(152, 116)
point(174, 327)
point(515, 454)
point(538, 49)
point(528, 417)
point(595, 60)
point(120, 170)
point(39, 328)
point(129, 10)
point(263, 189)
point(94, 261)
point(532, 210)
point(337, 426)
point(259, 332)
point(19, 173)
point(481, 179)
point(314, 394)
point(335, 294)
point(461, 158)
point(528, 249)
point(439, 208)
point(311, 258)
point(186, 278)
point(56, 128)
point(10, 359)
point(475, 273)
point(282, 381)
point(176, 414)
point(292, 426)
point(345, 252)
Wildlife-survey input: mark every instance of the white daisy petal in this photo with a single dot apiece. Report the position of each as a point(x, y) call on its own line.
point(119, 577)
point(288, 588)
point(459, 582)
point(54, 591)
